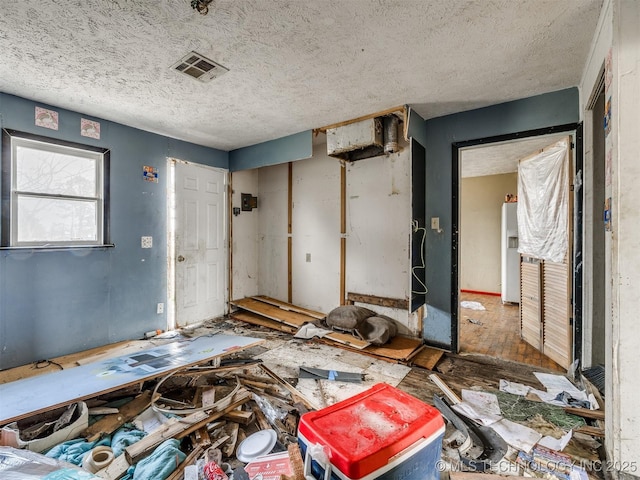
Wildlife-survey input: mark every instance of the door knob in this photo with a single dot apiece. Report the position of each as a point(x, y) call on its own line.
point(181, 258)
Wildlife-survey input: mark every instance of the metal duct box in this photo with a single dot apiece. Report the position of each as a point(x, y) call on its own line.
point(356, 141)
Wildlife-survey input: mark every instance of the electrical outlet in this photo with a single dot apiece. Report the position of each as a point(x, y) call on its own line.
point(146, 242)
point(160, 308)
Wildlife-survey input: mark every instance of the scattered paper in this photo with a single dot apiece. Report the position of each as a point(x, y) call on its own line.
point(556, 384)
point(472, 305)
point(191, 472)
point(476, 414)
point(482, 407)
point(556, 443)
point(514, 388)
point(486, 401)
point(518, 436)
point(309, 330)
point(150, 420)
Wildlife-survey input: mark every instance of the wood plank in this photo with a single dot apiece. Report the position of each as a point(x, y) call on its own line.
point(116, 469)
point(179, 428)
point(290, 307)
point(399, 348)
point(297, 396)
point(400, 109)
point(255, 319)
point(466, 371)
point(343, 233)
point(110, 423)
point(290, 233)
point(244, 417)
point(178, 474)
point(240, 398)
point(272, 312)
point(34, 395)
point(172, 427)
point(585, 413)
point(427, 358)
point(441, 384)
point(230, 216)
point(399, 303)
point(63, 362)
point(593, 431)
point(347, 339)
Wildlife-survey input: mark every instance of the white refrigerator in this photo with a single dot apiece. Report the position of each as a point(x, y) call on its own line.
point(510, 256)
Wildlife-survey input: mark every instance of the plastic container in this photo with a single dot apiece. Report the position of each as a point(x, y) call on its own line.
point(382, 433)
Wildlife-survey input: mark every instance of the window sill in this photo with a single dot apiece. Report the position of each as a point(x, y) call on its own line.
point(55, 248)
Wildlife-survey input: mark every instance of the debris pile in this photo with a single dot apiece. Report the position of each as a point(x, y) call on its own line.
point(237, 414)
point(213, 421)
point(523, 430)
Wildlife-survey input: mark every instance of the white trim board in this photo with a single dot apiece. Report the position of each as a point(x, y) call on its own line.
point(33, 395)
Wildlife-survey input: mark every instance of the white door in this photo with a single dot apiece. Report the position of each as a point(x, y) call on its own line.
point(200, 243)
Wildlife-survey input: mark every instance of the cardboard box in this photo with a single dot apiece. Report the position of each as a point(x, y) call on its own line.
point(382, 433)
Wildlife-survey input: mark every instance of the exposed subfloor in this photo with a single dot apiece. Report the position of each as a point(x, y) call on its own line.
point(495, 331)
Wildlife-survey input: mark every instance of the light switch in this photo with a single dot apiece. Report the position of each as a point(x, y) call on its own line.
point(435, 223)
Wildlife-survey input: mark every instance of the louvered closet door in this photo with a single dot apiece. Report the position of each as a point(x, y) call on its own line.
point(558, 336)
point(530, 301)
point(545, 236)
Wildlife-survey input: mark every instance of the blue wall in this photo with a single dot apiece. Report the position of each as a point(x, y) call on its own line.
point(57, 302)
point(281, 150)
point(556, 108)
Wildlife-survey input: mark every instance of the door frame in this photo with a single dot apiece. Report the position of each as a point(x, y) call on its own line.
point(455, 225)
point(171, 236)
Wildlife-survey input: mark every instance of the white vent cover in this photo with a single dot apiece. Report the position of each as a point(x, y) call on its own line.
point(201, 68)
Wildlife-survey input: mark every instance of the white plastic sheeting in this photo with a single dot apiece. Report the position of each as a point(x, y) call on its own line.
point(543, 199)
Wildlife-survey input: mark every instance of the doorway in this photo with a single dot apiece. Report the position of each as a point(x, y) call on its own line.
point(487, 180)
point(595, 233)
point(197, 260)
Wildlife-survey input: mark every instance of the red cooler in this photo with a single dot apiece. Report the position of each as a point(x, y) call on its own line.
point(382, 433)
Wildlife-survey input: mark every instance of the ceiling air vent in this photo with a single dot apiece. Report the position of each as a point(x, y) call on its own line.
point(199, 67)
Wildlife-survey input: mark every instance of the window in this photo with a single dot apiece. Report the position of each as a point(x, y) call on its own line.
point(54, 193)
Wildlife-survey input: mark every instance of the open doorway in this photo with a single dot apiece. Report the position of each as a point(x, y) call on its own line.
point(596, 178)
point(489, 293)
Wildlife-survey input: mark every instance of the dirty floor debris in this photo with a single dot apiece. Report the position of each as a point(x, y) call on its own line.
point(237, 415)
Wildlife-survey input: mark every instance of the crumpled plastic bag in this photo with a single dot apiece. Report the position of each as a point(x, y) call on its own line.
point(19, 464)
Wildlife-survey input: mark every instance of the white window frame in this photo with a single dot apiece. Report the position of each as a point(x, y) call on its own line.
point(100, 199)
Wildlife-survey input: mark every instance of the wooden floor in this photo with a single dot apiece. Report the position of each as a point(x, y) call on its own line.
point(497, 333)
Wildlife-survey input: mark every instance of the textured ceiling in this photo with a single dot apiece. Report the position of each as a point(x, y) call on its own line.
point(499, 158)
point(294, 64)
